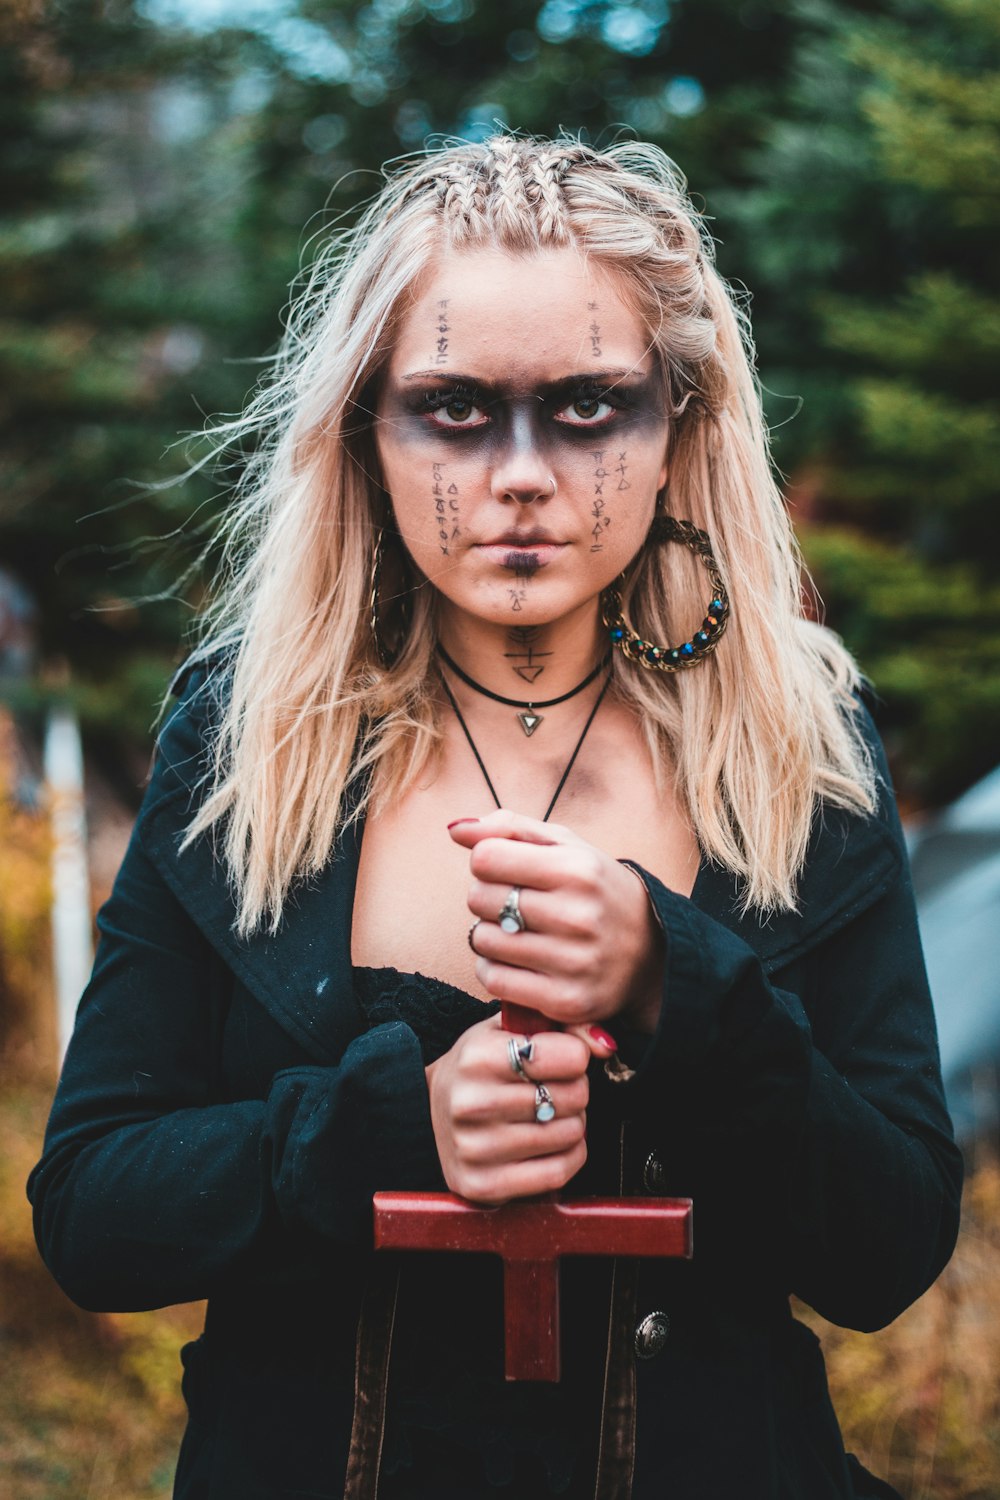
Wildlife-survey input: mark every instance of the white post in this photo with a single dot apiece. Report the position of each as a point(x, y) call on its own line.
point(72, 946)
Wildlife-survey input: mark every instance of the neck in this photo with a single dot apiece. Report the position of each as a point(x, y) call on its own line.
point(526, 661)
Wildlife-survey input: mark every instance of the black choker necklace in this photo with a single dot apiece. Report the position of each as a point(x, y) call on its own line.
point(569, 764)
point(528, 719)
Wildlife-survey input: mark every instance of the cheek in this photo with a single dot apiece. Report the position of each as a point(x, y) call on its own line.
point(427, 502)
point(615, 483)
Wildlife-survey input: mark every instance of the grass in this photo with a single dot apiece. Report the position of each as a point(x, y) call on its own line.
point(90, 1405)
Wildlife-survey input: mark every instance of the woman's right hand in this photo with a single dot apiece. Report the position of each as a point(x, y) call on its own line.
point(491, 1146)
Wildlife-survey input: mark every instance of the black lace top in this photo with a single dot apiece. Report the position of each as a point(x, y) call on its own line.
point(454, 1426)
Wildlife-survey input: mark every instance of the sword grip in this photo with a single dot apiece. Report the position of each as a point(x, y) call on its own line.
point(523, 1019)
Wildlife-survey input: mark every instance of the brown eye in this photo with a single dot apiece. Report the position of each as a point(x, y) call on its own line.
point(586, 407)
point(585, 410)
point(459, 410)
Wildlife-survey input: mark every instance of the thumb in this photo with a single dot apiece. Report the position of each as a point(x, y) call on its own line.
point(600, 1043)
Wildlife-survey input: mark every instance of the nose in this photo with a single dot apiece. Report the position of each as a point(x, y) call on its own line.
point(521, 471)
point(524, 478)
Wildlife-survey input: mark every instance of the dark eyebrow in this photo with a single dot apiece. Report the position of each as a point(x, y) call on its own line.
point(546, 387)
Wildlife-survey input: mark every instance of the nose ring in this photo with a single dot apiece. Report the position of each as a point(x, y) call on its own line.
point(552, 487)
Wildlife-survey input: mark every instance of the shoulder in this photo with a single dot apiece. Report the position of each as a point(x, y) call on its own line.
point(854, 858)
point(193, 712)
point(884, 818)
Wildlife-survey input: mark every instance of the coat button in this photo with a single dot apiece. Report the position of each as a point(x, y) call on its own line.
point(653, 1176)
point(651, 1335)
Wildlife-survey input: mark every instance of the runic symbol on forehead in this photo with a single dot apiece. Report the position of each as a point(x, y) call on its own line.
point(527, 662)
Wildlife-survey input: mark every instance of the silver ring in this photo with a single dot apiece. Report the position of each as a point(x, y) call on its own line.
point(545, 1110)
point(471, 931)
point(552, 482)
point(510, 918)
point(519, 1053)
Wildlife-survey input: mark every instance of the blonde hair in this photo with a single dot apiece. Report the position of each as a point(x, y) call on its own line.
point(753, 737)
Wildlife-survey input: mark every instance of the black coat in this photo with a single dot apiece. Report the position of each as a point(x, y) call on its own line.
point(228, 1108)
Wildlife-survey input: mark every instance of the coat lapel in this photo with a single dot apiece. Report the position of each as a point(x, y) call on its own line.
point(851, 862)
point(301, 974)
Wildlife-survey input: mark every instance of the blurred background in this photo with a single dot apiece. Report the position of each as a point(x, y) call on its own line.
point(166, 167)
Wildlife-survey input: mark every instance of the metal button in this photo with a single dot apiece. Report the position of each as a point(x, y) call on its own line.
point(651, 1335)
point(653, 1176)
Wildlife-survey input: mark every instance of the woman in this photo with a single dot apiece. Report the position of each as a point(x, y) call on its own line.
point(510, 633)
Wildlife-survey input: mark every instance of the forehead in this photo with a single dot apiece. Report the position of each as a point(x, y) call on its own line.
point(532, 310)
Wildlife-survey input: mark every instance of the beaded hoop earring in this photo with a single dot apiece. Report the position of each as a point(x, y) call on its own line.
point(704, 641)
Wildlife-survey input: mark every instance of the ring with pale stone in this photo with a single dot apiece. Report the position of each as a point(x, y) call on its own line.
point(544, 1108)
point(510, 917)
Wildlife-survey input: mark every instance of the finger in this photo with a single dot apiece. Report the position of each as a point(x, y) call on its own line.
point(527, 1179)
point(537, 951)
point(518, 1104)
point(505, 824)
point(557, 912)
point(554, 1055)
point(522, 1141)
point(562, 1000)
point(600, 1042)
point(541, 867)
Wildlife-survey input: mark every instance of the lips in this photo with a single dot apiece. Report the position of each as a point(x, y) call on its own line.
point(535, 538)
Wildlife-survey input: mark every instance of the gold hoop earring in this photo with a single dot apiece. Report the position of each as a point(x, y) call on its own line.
point(704, 641)
point(388, 649)
point(377, 639)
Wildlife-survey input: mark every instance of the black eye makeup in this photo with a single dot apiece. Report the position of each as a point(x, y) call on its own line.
point(586, 402)
point(453, 405)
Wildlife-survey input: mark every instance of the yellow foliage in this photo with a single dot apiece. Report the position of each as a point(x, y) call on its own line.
point(25, 904)
point(919, 1402)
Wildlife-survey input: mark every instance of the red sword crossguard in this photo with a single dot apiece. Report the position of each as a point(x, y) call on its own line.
point(531, 1235)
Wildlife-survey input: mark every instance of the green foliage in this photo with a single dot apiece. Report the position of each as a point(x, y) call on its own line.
point(156, 182)
point(878, 210)
point(929, 639)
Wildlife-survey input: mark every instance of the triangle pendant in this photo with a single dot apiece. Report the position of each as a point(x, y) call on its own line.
point(529, 722)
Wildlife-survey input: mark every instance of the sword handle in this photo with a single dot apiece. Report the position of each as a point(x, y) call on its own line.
point(523, 1019)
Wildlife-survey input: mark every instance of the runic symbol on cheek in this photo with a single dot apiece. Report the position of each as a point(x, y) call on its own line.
point(437, 492)
point(620, 469)
point(600, 473)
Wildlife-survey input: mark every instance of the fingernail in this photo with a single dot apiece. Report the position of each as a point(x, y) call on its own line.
point(461, 820)
point(603, 1037)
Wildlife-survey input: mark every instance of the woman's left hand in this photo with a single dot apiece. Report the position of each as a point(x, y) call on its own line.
point(591, 948)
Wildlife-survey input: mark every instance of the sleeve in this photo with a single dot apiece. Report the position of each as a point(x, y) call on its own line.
point(150, 1188)
point(813, 1117)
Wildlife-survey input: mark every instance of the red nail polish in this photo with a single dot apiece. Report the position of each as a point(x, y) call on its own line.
point(604, 1037)
point(461, 820)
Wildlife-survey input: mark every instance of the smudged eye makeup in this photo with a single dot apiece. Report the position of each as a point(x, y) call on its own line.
point(584, 403)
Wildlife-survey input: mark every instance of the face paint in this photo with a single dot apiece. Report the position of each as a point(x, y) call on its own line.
point(443, 329)
point(597, 510)
point(521, 429)
point(594, 330)
point(524, 657)
point(440, 515)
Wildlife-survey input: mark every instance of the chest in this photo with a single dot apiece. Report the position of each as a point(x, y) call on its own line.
point(411, 902)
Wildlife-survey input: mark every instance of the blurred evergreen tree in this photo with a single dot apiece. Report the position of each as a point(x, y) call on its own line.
point(874, 231)
point(156, 179)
